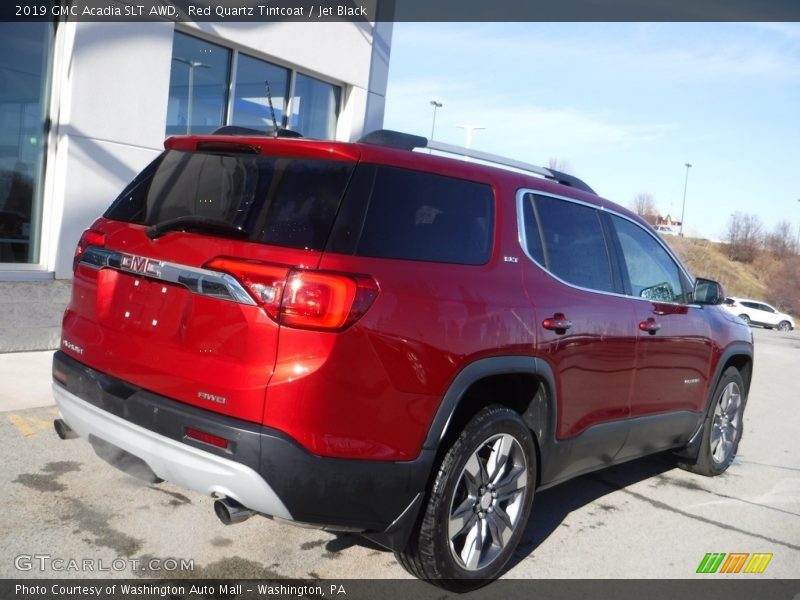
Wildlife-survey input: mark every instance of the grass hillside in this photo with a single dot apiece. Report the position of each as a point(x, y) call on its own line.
point(769, 278)
point(709, 259)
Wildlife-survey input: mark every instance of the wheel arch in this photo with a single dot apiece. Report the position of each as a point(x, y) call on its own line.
point(739, 355)
point(525, 384)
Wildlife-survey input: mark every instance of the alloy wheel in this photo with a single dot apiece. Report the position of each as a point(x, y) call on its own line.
point(727, 422)
point(488, 502)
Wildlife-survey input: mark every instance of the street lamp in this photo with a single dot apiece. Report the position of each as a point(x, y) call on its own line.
point(192, 64)
point(685, 185)
point(436, 105)
point(468, 129)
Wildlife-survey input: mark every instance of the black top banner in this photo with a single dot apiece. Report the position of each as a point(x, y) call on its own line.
point(400, 10)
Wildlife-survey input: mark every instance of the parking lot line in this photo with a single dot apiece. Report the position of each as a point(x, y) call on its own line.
point(30, 426)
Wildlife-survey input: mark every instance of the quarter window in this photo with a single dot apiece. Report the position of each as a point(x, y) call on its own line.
point(415, 216)
point(653, 274)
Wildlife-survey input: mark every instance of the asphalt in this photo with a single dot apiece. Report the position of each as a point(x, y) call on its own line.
point(25, 380)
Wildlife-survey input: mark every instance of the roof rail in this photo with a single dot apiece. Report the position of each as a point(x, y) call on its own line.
point(406, 141)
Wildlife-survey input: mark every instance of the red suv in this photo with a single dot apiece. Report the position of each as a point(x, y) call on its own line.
point(367, 338)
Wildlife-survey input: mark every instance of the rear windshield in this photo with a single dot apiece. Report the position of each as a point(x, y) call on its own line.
point(275, 200)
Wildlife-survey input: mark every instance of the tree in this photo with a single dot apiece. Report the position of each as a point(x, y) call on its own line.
point(644, 205)
point(744, 236)
point(784, 286)
point(781, 241)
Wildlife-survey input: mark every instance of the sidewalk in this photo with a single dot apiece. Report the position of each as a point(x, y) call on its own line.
point(25, 380)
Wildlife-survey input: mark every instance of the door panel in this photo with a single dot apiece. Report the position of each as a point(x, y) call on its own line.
point(586, 330)
point(593, 360)
point(672, 361)
point(674, 349)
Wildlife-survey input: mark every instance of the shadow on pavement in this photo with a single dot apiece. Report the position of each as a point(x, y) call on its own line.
point(551, 507)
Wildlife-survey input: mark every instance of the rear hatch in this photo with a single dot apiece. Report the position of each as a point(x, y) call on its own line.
point(174, 286)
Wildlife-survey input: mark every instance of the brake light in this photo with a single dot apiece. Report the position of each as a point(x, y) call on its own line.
point(90, 237)
point(303, 298)
point(264, 281)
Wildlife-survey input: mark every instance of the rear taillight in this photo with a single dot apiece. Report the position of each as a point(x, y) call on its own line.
point(90, 237)
point(303, 298)
point(264, 281)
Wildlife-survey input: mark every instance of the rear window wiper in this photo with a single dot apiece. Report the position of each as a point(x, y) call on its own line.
point(193, 223)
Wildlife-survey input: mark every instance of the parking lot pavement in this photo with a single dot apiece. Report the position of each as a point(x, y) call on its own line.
point(25, 378)
point(644, 519)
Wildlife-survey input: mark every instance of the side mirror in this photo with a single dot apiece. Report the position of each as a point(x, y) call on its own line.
point(707, 291)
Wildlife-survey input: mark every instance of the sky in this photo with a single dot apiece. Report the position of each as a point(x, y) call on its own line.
point(625, 105)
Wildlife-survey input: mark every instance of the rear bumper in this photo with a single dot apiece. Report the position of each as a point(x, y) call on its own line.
point(262, 468)
point(173, 461)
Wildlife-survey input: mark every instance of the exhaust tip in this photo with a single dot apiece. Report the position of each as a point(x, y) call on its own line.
point(63, 430)
point(230, 512)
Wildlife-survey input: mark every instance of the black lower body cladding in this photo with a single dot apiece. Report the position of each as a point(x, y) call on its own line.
point(353, 495)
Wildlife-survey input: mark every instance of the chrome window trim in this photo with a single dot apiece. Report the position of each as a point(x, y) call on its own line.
point(523, 242)
point(203, 282)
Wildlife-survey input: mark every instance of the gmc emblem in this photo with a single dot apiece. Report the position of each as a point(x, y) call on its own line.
point(141, 264)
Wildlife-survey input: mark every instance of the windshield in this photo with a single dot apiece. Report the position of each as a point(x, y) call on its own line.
point(275, 200)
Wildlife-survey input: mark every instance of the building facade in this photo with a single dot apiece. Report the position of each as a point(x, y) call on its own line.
point(84, 106)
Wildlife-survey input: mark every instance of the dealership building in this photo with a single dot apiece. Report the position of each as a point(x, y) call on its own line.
point(85, 105)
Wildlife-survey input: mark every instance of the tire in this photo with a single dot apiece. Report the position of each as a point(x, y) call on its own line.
point(477, 508)
point(745, 318)
point(784, 326)
point(723, 427)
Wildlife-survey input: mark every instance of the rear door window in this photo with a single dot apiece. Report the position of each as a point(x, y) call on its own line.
point(275, 200)
point(567, 239)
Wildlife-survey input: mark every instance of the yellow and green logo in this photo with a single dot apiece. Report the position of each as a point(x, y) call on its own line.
point(734, 562)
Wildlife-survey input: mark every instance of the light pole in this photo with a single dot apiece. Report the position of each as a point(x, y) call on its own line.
point(436, 105)
point(468, 129)
point(192, 64)
point(685, 185)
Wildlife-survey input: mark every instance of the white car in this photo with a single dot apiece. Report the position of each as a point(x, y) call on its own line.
point(759, 313)
point(666, 230)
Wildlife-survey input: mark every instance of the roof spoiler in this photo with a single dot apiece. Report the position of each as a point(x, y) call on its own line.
point(407, 141)
point(236, 130)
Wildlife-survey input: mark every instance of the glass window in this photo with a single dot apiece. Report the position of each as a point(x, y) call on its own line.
point(282, 201)
point(652, 272)
point(198, 86)
point(250, 106)
point(24, 77)
point(420, 216)
point(533, 237)
point(315, 106)
point(574, 244)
